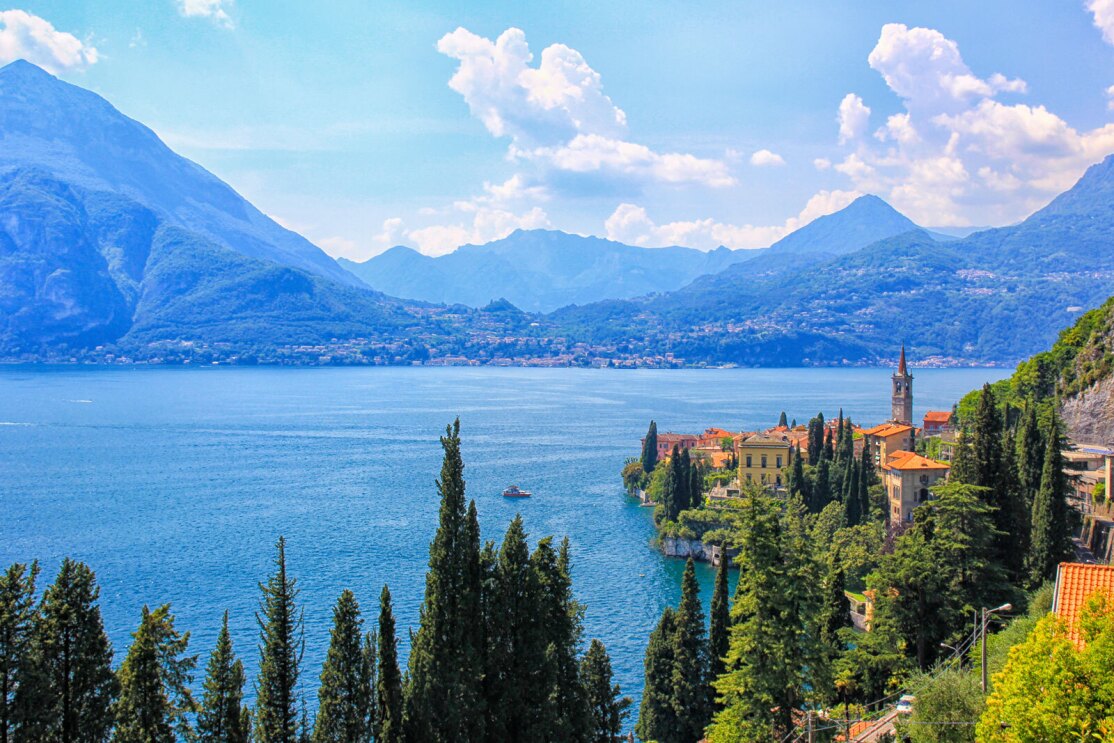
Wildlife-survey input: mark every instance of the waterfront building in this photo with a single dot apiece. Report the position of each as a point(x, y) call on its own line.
point(909, 479)
point(762, 457)
point(666, 442)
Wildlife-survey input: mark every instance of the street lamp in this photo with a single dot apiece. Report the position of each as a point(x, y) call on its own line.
point(982, 631)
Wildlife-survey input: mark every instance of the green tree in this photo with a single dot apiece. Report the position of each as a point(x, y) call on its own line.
point(991, 470)
point(1029, 454)
point(388, 723)
point(17, 616)
point(821, 486)
point(565, 705)
point(68, 688)
point(280, 654)
point(446, 659)
point(691, 703)
point(837, 607)
point(657, 719)
point(606, 706)
point(650, 449)
point(720, 623)
point(781, 421)
point(815, 438)
point(1051, 690)
point(798, 483)
point(345, 698)
point(946, 705)
point(1050, 536)
point(852, 501)
point(223, 718)
point(155, 699)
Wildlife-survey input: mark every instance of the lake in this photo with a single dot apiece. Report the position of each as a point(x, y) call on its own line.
point(174, 483)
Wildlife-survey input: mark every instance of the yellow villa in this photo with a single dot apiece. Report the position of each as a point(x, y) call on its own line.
point(909, 478)
point(762, 457)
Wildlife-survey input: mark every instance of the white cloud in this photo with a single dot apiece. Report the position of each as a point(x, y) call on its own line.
point(1103, 11)
point(557, 115)
point(486, 224)
point(957, 155)
point(1110, 97)
point(853, 118)
point(765, 158)
point(214, 10)
point(29, 37)
point(632, 225)
point(822, 163)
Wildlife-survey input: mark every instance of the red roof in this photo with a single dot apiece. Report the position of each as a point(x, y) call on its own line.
point(907, 460)
point(887, 429)
point(938, 416)
point(1075, 583)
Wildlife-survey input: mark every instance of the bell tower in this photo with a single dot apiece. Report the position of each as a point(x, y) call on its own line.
point(902, 400)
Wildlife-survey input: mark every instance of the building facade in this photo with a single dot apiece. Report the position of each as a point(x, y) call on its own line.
point(937, 422)
point(885, 440)
point(762, 458)
point(902, 393)
point(909, 479)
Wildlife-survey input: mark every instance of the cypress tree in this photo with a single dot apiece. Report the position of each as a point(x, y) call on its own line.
point(657, 720)
point(839, 439)
point(798, 483)
point(815, 438)
point(720, 622)
point(684, 483)
point(691, 703)
point(344, 700)
point(989, 470)
point(650, 449)
point(963, 460)
point(445, 661)
point(388, 723)
point(154, 678)
point(821, 486)
point(281, 643)
point(852, 503)
point(17, 615)
point(781, 421)
point(696, 485)
point(837, 607)
point(607, 708)
point(223, 718)
point(66, 692)
point(670, 486)
point(829, 447)
point(1029, 454)
point(1050, 539)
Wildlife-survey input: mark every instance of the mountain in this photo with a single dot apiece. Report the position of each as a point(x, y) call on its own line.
point(540, 270)
point(995, 296)
point(865, 220)
point(78, 138)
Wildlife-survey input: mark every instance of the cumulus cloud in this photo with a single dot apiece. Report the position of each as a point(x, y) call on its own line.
point(854, 117)
point(765, 158)
point(214, 10)
point(1103, 11)
point(957, 154)
point(556, 114)
point(29, 37)
point(486, 224)
point(631, 224)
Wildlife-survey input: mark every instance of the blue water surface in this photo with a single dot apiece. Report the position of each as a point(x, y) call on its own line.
point(174, 483)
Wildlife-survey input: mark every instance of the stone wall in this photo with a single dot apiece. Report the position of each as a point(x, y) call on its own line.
point(1089, 416)
point(694, 548)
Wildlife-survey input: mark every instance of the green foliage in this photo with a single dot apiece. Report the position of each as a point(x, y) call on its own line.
point(67, 689)
point(389, 704)
point(606, 705)
point(1050, 539)
point(223, 718)
point(155, 698)
point(280, 653)
point(344, 711)
point(633, 476)
point(657, 719)
point(720, 622)
point(650, 449)
point(691, 699)
point(17, 616)
point(1050, 690)
point(946, 707)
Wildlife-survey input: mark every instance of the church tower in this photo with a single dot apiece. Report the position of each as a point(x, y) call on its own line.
point(902, 410)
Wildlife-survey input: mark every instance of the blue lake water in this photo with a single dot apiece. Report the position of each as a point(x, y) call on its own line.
point(174, 484)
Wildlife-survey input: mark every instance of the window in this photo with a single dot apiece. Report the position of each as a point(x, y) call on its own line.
point(763, 461)
point(749, 465)
point(779, 462)
point(924, 494)
point(778, 481)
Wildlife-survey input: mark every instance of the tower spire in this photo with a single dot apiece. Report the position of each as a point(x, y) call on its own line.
point(901, 368)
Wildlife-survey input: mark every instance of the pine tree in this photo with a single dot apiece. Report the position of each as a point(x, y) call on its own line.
point(1050, 540)
point(388, 723)
point(280, 654)
point(67, 690)
point(720, 622)
point(691, 703)
point(17, 615)
point(837, 607)
point(963, 460)
point(650, 449)
point(607, 708)
point(155, 698)
point(223, 718)
point(344, 700)
point(445, 661)
point(657, 720)
point(781, 421)
point(852, 504)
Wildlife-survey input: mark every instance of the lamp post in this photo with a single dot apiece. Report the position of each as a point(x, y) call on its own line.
point(982, 632)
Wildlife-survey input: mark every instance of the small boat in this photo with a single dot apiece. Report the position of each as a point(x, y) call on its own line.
point(516, 492)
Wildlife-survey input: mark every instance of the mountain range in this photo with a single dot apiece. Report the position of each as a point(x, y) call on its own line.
point(544, 270)
point(112, 246)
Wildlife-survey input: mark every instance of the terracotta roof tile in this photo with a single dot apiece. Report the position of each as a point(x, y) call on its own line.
point(911, 461)
point(938, 416)
point(1075, 583)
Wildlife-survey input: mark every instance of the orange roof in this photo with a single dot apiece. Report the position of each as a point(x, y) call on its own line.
point(938, 416)
point(907, 460)
point(886, 430)
point(1075, 583)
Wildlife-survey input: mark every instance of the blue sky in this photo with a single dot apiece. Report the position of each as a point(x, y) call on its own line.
point(364, 125)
